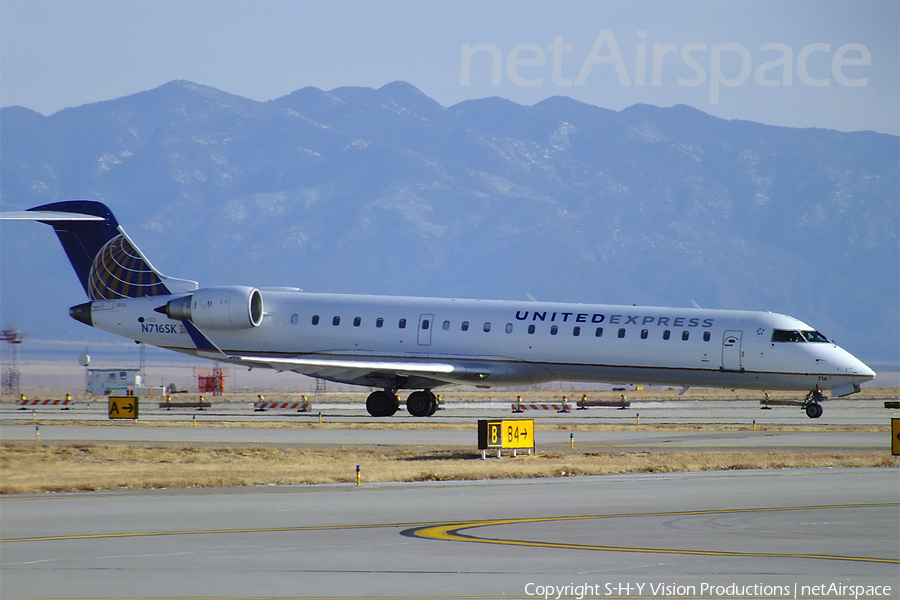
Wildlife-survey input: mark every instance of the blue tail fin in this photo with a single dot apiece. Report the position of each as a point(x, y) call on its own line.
point(107, 262)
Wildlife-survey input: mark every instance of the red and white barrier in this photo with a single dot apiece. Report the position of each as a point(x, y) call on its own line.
point(519, 406)
point(523, 406)
point(298, 406)
point(38, 402)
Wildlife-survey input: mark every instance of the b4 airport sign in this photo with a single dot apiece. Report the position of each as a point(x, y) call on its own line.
point(514, 434)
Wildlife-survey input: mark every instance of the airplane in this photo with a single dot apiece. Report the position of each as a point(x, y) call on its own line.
point(414, 343)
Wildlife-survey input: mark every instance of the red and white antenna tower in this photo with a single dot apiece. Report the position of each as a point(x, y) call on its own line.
point(13, 338)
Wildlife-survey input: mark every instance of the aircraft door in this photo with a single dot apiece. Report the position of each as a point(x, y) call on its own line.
point(426, 322)
point(731, 351)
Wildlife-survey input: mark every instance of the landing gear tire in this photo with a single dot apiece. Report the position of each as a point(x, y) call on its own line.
point(393, 406)
point(421, 404)
point(381, 404)
point(814, 410)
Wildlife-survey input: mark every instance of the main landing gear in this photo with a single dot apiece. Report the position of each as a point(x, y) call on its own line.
point(384, 403)
point(814, 410)
point(421, 404)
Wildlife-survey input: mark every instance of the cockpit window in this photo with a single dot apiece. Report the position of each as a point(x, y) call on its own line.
point(784, 335)
point(814, 336)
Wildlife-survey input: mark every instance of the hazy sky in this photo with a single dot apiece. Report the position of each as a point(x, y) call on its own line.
point(796, 63)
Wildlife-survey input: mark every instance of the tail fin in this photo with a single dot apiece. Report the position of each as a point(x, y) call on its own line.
point(107, 262)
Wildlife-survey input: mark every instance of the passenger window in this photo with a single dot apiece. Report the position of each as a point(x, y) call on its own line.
point(315, 320)
point(553, 329)
point(685, 335)
point(531, 328)
point(379, 322)
point(402, 324)
point(336, 321)
point(576, 331)
point(645, 334)
point(357, 321)
point(487, 326)
point(446, 326)
point(509, 328)
point(667, 334)
point(464, 326)
point(598, 332)
point(621, 333)
point(706, 336)
point(425, 323)
point(294, 319)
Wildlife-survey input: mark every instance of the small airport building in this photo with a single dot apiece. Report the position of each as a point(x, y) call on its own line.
point(105, 382)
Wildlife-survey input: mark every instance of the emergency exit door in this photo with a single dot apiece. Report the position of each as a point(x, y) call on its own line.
point(425, 324)
point(731, 351)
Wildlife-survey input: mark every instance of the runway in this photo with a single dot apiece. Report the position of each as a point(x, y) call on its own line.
point(840, 412)
point(464, 437)
point(783, 428)
point(762, 531)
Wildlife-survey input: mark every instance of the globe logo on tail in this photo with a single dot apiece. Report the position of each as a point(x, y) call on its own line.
point(120, 271)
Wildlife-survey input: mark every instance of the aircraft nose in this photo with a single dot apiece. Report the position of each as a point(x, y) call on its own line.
point(865, 371)
point(858, 367)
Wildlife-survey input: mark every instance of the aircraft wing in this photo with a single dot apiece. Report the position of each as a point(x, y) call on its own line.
point(372, 372)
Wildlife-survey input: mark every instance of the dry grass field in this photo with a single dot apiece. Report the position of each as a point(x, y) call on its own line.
point(29, 467)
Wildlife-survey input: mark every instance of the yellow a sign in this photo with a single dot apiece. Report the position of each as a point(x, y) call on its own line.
point(123, 407)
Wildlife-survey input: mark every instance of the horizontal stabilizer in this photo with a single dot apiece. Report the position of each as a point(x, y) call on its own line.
point(46, 216)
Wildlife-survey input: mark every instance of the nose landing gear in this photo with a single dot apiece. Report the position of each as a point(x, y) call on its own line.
point(814, 410)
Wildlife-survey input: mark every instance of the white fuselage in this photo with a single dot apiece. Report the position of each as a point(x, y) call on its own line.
point(506, 342)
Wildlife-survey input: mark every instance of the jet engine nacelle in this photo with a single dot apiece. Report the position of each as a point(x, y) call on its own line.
point(232, 307)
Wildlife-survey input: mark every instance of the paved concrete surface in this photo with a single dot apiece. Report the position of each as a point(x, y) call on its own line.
point(763, 532)
point(553, 429)
point(556, 439)
point(848, 411)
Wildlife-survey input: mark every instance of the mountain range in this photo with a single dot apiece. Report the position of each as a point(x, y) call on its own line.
point(385, 191)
